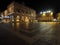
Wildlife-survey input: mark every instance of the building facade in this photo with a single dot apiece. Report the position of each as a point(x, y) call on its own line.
point(46, 16)
point(16, 12)
point(58, 16)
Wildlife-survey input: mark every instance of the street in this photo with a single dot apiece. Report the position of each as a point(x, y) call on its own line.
point(41, 33)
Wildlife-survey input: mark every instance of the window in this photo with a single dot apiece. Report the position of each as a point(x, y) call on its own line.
point(17, 18)
point(11, 9)
point(5, 12)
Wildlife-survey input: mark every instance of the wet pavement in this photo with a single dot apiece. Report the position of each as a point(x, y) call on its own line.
point(41, 33)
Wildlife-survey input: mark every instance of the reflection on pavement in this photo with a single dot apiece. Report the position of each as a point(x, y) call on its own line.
point(32, 32)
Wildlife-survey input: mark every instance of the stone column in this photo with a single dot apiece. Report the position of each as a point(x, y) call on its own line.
point(15, 18)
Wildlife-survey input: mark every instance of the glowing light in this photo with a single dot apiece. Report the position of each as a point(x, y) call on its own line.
point(54, 19)
point(6, 17)
point(48, 11)
point(26, 20)
point(51, 13)
point(32, 14)
point(12, 19)
point(10, 9)
point(43, 14)
point(22, 18)
point(5, 12)
point(17, 18)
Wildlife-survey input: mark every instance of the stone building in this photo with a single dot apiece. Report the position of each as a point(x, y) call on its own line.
point(58, 16)
point(46, 16)
point(16, 12)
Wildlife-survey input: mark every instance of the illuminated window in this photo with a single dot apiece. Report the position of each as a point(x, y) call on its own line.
point(11, 9)
point(12, 18)
point(22, 18)
point(26, 19)
point(44, 14)
point(51, 13)
point(5, 12)
point(17, 18)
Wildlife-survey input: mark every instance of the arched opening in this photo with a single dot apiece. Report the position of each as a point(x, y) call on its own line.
point(17, 18)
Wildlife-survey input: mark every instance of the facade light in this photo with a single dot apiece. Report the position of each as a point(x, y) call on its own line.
point(48, 11)
point(44, 12)
point(41, 12)
point(54, 20)
point(51, 13)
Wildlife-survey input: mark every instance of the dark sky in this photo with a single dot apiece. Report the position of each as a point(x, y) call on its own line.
point(38, 5)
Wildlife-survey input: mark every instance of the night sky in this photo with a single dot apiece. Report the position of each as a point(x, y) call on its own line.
point(41, 5)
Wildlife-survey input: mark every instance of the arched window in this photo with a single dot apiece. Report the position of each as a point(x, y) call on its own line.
point(11, 9)
point(17, 18)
